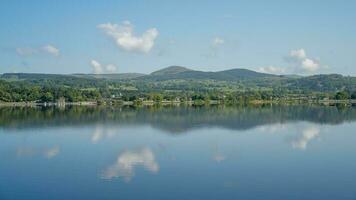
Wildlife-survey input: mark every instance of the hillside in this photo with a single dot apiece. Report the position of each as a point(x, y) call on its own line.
point(183, 79)
point(322, 83)
point(37, 76)
point(170, 71)
point(121, 76)
point(182, 73)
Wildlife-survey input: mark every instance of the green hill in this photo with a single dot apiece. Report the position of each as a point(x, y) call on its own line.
point(182, 73)
point(172, 70)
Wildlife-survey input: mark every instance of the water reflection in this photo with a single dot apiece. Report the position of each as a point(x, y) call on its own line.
point(208, 153)
point(273, 128)
point(102, 132)
point(31, 151)
point(52, 152)
point(308, 134)
point(217, 155)
point(125, 165)
point(174, 120)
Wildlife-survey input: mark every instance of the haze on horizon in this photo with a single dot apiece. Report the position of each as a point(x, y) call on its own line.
point(279, 37)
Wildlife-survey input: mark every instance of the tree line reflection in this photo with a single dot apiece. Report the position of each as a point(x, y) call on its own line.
point(174, 120)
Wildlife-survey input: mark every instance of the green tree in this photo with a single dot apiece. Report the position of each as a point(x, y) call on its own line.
point(47, 97)
point(342, 95)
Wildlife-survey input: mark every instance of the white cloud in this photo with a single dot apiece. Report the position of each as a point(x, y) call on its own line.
point(299, 63)
point(99, 69)
point(51, 50)
point(310, 65)
point(302, 62)
point(218, 41)
point(125, 39)
point(272, 70)
point(307, 135)
point(298, 54)
point(128, 160)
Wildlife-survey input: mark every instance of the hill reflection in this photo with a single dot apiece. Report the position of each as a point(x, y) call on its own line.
point(173, 119)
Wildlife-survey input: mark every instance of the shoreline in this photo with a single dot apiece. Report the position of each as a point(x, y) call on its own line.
point(175, 103)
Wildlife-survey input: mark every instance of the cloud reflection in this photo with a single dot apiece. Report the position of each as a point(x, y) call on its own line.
point(101, 132)
point(307, 135)
point(273, 128)
point(218, 157)
point(52, 152)
point(31, 151)
point(128, 160)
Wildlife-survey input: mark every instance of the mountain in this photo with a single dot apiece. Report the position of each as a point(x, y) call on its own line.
point(182, 73)
point(244, 73)
point(170, 71)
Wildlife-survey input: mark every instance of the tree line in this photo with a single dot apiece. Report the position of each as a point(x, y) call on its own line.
point(30, 92)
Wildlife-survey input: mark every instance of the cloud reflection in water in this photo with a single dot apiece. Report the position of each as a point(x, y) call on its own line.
point(31, 151)
point(100, 133)
point(308, 134)
point(127, 161)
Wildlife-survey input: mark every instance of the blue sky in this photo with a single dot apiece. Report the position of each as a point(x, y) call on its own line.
point(303, 37)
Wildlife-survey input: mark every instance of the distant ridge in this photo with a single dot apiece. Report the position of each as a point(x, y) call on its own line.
point(29, 76)
point(245, 73)
point(178, 72)
point(118, 76)
point(32, 76)
point(170, 70)
point(168, 73)
point(182, 78)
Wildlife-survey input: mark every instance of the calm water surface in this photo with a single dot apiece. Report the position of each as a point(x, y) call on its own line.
point(267, 152)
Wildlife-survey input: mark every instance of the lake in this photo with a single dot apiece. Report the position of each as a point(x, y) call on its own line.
point(256, 152)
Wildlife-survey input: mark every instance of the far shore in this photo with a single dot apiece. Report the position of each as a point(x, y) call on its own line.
point(177, 103)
